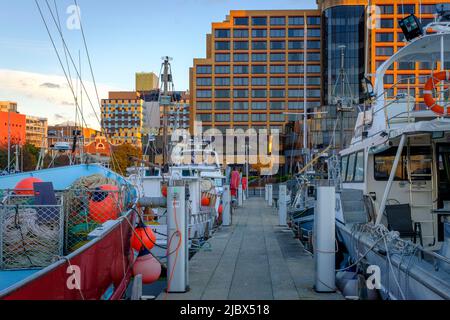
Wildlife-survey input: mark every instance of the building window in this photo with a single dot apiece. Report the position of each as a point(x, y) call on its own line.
point(222, 82)
point(277, 57)
point(428, 9)
point(295, 45)
point(295, 56)
point(259, 21)
point(259, 117)
point(313, 44)
point(241, 57)
point(221, 93)
point(241, 45)
point(276, 105)
point(277, 33)
point(243, 117)
point(313, 20)
point(259, 81)
point(386, 23)
point(241, 21)
point(277, 45)
point(222, 69)
point(204, 69)
point(277, 21)
point(240, 105)
point(222, 105)
point(259, 69)
point(259, 45)
point(277, 69)
point(313, 81)
point(277, 81)
point(259, 105)
point(386, 9)
point(277, 117)
point(259, 93)
point(204, 81)
point(296, 21)
point(292, 69)
point(241, 93)
point(384, 51)
point(406, 9)
point(313, 57)
point(259, 33)
point(204, 93)
point(406, 65)
point(295, 81)
point(222, 33)
point(240, 33)
point(313, 32)
point(240, 69)
point(204, 117)
point(295, 33)
point(277, 93)
point(259, 57)
point(204, 105)
point(240, 81)
point(222, 57)
point(384, 37)
point(222, 45)
point(294, 93)
point(295, 105)
point(222, 117)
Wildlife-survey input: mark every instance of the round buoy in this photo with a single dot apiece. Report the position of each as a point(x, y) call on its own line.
point(104, 204)
point(164, 191)
point(25, 186)
point(205, 201)
point(145, 234)
point(147, 266)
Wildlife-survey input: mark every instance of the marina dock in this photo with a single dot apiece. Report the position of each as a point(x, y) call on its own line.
point(254, 259)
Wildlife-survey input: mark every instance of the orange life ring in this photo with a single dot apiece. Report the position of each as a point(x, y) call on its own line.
point(428, 92)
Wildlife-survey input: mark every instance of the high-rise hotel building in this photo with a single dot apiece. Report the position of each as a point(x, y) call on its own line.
point(253, 73)
point(254, 69)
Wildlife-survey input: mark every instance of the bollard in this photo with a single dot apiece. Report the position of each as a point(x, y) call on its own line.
point(324, 240)
point(282, 207)
point(270, 194)
point(226, 213)
point(266, 192)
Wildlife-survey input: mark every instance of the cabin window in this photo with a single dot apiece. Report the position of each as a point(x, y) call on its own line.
point(344, 163)
point(420, 160)
point(359, 167)
point(350, 168)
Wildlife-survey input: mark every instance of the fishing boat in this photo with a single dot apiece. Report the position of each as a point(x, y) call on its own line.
point(393, 204)
point(65, 234)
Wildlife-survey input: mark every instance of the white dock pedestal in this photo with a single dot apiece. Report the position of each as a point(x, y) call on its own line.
point(177, 225)
point(240, 196)
point(282, 207)
point(266, 192)
point(324, 240)
point(270, 194)
point(226, 214)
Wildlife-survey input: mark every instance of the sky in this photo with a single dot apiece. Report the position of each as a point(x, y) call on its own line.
point(123, 37)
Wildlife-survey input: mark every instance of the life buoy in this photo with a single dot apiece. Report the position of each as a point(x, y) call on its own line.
point(428, 92)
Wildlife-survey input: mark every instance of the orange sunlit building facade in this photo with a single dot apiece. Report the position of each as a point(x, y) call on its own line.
point(12, 129)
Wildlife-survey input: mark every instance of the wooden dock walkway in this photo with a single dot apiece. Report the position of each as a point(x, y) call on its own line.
point(254, 259)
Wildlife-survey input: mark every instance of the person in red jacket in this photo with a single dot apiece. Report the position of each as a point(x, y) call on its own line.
point(235, 181)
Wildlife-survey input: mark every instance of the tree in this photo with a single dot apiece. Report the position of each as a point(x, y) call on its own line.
point(30, 155)
point(122, 157)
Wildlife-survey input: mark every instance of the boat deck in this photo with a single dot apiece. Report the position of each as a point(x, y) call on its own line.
point(254, 259)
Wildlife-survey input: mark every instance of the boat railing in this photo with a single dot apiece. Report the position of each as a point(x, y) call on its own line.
point(403, 102)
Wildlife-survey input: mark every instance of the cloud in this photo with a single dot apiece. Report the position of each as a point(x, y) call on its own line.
point(43, 94)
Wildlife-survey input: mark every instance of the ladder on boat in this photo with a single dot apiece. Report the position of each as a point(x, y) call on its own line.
point(421, 197)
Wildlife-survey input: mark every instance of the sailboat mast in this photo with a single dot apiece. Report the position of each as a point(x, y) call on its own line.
point(166, 93)
point(305, 111)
